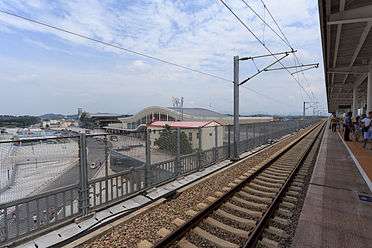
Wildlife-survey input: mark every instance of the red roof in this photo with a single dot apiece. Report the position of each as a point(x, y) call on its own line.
point(185, 124)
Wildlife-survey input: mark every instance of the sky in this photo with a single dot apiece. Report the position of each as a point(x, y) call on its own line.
point(47, 71)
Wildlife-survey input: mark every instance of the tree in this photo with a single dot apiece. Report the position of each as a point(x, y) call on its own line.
point(167, 141)
point(86, 121)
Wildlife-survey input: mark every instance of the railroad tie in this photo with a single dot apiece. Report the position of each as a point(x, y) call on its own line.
point(231, 185)
point(271, 230)
point(267, 184)
point(213, 239)
point(287, 205)
point(252, 213)
point(295, 188)
point(263, 188)
point(218, 193)
point(293, 193)
point(271, 180)
point(265, 242)
point(284, 212)
point(275, 175)
point(236, 231)
point(237, 181)
point(253, 191)
point(249, 204)
point(191, 212)
point(280, 221)
point(211, 199)
point(201, 206)
point(290, 199)
point(163, 232)
point(252, 197)
point(225, 189)
point(246, 222)
point(178, 222)
point(242, 177)
point(144, 244)
point(184, 243)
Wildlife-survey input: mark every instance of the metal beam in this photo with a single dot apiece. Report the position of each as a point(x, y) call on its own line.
point(328, 11)
point(360, 80)
point(338, 38)
point(362, 39)
point(351, 69)
point(361, 14)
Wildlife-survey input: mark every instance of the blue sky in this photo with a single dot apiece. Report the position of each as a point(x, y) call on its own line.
point(47, 71)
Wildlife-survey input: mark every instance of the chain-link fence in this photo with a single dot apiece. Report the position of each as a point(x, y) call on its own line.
point(38, 184)
point(47, 181)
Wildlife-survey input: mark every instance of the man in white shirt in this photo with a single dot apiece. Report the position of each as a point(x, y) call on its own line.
point(367, 128)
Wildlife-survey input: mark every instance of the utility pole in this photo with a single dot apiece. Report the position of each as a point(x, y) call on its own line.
point(236, 109)
point(304, 110)
point(236, 139)
point(304, 107)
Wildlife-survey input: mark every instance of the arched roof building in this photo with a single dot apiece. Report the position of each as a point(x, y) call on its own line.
point(157, 113)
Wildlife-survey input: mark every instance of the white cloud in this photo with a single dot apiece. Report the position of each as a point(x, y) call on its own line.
point(204, 37)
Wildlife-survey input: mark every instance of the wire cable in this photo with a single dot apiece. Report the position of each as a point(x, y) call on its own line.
point(258, 39)
point(117, 46)
point(285, 38)
point(130, 51)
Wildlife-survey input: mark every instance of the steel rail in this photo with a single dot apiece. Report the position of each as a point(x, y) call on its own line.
point(257, 232)
point(180, 232)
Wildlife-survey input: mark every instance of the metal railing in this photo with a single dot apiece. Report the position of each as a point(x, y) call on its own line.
point(47, 181)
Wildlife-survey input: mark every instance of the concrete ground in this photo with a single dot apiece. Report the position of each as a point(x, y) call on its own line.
point(335, 212)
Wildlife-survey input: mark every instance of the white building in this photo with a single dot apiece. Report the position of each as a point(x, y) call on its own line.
point(208, 131)
point(155, 113)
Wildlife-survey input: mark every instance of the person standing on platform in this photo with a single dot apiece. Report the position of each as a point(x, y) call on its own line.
point(334, 122)
point(367, 128)
point(347, 126)
point(357, 128)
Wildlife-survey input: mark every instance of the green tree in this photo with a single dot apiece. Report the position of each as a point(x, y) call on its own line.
point(167, 141)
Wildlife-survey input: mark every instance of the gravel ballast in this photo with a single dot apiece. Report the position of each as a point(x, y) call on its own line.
point(145, 226)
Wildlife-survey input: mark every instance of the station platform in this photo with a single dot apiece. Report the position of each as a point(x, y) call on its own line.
point(337, 210)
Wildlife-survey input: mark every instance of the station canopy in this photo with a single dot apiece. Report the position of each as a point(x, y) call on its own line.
point(347, 50)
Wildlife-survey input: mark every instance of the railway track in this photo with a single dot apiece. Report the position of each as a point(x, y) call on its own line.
point(254, 210)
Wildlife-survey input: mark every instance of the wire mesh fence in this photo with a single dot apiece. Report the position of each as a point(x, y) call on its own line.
point(46, 181)
point(29, 167)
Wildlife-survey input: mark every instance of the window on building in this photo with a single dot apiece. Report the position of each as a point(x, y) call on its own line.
point(210, 134)
point(190, 136)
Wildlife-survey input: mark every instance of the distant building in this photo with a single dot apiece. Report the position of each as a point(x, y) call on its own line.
point(155, 113)
point(105, 119)
point(191, 129)
point(80, 112)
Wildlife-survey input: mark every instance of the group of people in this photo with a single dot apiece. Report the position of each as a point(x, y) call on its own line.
point(360, 126)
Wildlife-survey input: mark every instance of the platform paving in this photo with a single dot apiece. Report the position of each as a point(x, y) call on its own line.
point(333, 214)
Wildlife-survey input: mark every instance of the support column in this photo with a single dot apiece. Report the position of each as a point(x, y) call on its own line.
point(236, 110)
point(355, 104)
point(369, 92)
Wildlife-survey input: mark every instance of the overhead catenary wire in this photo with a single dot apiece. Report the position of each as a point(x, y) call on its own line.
point(285, 38)
point(263, 44)
point(117, 46)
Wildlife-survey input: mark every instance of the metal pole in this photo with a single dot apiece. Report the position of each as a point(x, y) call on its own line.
point(148, 158)
point(304, 109)
point(83, 173)
point(178, 164)
point(236, 109)
point(106, 169)
point(229, 141)
point(215, 144)
point(200, 148)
